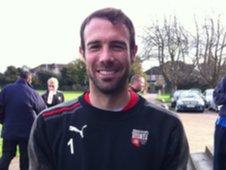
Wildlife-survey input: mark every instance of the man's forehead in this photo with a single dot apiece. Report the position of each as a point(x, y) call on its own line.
point(97, 25)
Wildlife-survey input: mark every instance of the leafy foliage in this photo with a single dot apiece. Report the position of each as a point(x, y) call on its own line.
point(11, 74)
point(73, 76)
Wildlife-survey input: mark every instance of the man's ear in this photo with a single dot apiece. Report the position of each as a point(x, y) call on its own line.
point(82, 52)
point(133, 53)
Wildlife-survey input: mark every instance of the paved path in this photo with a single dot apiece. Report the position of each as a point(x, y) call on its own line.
point(199, 128)
point(14, 164)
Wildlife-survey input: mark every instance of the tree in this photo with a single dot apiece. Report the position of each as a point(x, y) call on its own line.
point(2, 80)
point(137, 66)
point(167, 44)
point(11, 74)
point(210, 43)
point(185, 72)
point(74, 76)
point(40, 80)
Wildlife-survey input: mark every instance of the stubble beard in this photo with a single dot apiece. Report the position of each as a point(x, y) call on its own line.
point(116, 87)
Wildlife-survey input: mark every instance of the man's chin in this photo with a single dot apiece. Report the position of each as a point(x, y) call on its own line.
point(109, 90)
point(109, 86)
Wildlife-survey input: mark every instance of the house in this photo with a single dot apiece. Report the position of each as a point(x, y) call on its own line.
point(155, 79)
point(54, 68)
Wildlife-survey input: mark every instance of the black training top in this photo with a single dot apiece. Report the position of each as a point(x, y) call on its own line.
point(78, 136)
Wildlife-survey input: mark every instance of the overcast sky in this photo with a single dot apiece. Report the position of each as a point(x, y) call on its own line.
point(34, 32)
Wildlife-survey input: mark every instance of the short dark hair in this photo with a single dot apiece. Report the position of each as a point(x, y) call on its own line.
point(113, 15)
point(24, 74)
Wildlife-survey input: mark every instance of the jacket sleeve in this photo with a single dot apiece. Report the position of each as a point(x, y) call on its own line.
point(39, 150)
point(62, 97)
point(2, 110)
point(177, 153)
point(219, 93)
point(39, 104)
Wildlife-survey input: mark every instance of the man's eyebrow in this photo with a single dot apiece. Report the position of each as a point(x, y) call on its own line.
point(92, 42)
point(114, 42)
point(118, 42)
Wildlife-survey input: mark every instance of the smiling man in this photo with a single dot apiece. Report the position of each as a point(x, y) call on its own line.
point(109, 126)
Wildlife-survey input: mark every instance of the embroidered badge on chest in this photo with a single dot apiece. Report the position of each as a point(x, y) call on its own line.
point(139, 137)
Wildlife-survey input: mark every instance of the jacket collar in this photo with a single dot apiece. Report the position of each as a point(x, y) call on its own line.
point(22, 81)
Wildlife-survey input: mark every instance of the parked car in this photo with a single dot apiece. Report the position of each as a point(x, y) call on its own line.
point(175, 96)
point(190, 101)
point(210, 104)
point(208, 94)
point(199, 92)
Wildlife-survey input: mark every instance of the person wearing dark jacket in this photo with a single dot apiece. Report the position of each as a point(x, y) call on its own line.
point(53, 96)
point(109, 127)
point(20, 105)
point(219, 95)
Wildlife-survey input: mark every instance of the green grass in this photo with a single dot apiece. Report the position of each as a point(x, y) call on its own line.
point(68, 95)
point(164, 98)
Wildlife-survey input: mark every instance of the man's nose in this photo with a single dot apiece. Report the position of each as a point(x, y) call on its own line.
point(106, 54)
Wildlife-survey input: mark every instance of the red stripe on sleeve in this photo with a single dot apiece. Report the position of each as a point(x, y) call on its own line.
point(60, 110)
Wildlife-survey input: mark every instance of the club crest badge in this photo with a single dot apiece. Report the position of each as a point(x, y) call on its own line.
point(139, 137)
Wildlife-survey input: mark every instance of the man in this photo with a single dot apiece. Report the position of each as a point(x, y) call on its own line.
point(219, 95)
point(19, 102)
point(137, 83)
point(109, 126)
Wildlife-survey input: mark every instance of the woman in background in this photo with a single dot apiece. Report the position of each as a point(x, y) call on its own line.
point(53, 96)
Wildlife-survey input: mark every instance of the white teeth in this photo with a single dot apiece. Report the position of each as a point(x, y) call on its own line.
point(104, 72)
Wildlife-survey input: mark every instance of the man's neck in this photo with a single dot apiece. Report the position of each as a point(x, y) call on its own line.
point(116, 101)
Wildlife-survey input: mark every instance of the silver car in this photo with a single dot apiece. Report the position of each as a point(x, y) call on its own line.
point(189, 101)
point(175, 97)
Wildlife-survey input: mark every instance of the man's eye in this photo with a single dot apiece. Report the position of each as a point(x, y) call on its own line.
point(117, 47)
point(94, 47)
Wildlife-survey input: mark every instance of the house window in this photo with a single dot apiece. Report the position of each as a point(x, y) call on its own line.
point(153, 78)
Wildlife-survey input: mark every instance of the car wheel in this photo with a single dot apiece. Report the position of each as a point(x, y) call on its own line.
point(202, 110)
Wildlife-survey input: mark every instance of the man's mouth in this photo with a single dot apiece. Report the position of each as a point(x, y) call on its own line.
point(107, 73)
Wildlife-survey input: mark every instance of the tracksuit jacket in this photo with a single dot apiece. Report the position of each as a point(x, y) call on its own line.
point(219, 96)
point(20, 104)
point(219, 162)
point(77, 136)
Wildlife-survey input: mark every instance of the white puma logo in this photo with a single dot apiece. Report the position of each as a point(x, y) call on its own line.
point(75, 129)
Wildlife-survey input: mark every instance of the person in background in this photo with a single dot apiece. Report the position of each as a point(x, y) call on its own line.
point(53, 96)
point(219, 96)
point(137, 83)
point(20, 105)
point(109, 127)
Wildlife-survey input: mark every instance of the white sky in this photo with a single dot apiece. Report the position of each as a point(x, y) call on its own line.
point(34, 32)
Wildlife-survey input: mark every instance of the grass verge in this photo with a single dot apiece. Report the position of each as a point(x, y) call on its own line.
point(165, 98)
